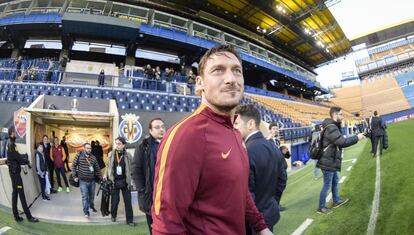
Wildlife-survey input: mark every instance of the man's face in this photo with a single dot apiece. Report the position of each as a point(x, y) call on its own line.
point(45, 140)
point(222, 82)
point(284, 151)
point(339, 117)
point(88, 149)
point(119, 145)
point(274, 131)
point(157, 130)
point(56, 141)
point(242, 126)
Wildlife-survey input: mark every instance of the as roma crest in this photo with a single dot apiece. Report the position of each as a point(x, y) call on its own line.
point(20, 120)
point(130, 129)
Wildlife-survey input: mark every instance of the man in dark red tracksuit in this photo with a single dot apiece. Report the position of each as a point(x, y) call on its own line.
point(202, 169)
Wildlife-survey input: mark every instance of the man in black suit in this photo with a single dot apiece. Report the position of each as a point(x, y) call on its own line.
point(49, 162)
point(267, 178)
point(377, 132)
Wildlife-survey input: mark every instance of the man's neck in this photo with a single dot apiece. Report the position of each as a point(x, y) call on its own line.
point(230, 113)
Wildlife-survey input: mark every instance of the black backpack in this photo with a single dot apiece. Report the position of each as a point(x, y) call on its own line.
point(316, 148)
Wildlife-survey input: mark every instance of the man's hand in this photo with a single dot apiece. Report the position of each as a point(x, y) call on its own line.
point(361, 136)
point(265, 232)
point(76, 179)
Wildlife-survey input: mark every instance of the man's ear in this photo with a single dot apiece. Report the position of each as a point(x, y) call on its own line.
point(199, 85)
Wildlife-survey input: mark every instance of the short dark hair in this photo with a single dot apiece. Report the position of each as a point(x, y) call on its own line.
point(84, 145)
point(375, 113)
point(283, 147)
point(11, 130)
point(215, 50)
point(152, 120)
point(272, 125)
point(122, 140)
point(45, 136)
point(247, 112)
point(334, 110)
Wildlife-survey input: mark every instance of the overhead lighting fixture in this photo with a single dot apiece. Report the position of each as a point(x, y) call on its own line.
point(264, 30)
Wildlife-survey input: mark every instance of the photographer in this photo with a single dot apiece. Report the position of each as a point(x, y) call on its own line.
point(14, 162)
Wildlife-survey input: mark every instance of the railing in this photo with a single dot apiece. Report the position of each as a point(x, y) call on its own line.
point(86, 79)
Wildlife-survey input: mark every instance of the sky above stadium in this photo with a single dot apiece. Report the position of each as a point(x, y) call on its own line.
point(357, 18)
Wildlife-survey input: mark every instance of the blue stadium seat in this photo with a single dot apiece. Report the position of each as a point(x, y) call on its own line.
point(20, 98)
point(159, 107)
point(10, 97)
point(86, 94)
point(44, 92)
point(28, 99)
point(35, 92)
point(65, 93)
point(55, 93)
point(123, 105)
point(76, 93)
point(136, 106)
point(148, 107)
point(108, 96)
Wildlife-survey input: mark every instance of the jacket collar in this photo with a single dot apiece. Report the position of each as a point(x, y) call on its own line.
point(225, 120)
point(256, 135)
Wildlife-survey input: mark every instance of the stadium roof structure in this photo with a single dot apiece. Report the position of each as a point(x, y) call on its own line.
point(385, 34)
point(304, 31)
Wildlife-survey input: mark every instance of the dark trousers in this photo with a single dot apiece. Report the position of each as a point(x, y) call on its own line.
point(51, 169)
point(372, 143)
point(377, 141)
point(101, 81)
point(126, 194)
point(42, 186)
point(149, 222)
point(67, 164)
point(18, 191)
point(61, 171)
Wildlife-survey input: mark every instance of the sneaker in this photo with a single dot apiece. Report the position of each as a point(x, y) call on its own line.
point(59, 189)
point(33, 220)
point(340, 203)
point(132, 224)
point(86, 216)
point(47, 198)
point(67, 189)
point(18, 219)
point(94, 210)
point(53, 190)
point(324, 211)
point(113, 219)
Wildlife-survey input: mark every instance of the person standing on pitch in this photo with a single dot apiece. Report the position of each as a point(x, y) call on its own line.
point(14, 162)
point(143, 166)
point(331, 159)
point(119, 172)
point(85, 169)
point(267, 178)
point(202, 169)
point(58, 157)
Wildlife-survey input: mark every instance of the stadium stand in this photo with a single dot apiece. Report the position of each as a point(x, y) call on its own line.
point(348, 98)
point(383, 95)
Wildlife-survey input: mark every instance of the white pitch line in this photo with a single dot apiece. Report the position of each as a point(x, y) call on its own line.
point(302, 227)
point(329, 197)
point(4, 229)
point(342, 179)
point(376, 201)
point(353, 161)
point(348, 160)
point(349, 168)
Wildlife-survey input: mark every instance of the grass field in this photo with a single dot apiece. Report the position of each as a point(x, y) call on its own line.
point(302, 194)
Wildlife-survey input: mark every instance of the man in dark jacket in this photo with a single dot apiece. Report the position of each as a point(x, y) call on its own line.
point(65, 147)
point(378, 132)
point(14, 162)
point(143, 166)
point(49, 162)
point(267, 178)
point(331, 159)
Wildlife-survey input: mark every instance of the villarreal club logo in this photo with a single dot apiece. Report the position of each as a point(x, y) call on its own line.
point(130, 129)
